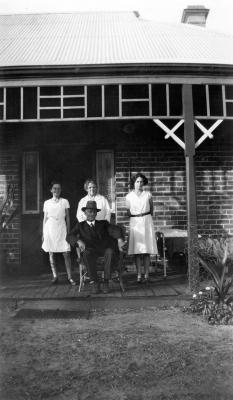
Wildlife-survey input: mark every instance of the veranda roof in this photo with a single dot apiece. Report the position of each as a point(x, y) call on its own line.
point(107, 38)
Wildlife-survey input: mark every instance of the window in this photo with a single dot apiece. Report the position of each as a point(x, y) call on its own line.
point(31, 185)
point(135, 100)
point(105, 175)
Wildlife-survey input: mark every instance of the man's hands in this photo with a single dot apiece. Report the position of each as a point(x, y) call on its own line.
point(81, 245)
point(121, 244)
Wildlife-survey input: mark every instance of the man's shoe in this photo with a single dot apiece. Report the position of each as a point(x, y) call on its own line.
point(106, 287)
point(71, 281)
point(54, 280)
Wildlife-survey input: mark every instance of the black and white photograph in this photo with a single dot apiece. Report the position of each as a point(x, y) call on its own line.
point(116, 200)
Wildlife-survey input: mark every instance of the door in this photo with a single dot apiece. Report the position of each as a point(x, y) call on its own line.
point(31, 212)
point(71, 165)
point(105, 175)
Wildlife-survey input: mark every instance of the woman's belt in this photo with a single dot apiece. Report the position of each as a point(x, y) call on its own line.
point(140, 215)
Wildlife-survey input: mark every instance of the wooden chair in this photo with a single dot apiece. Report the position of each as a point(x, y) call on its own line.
point(83, 276)
point(161, 258)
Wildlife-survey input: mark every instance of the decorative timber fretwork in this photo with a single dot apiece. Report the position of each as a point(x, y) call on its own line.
point(171, 132)
point(207, 133)
point(113, 101)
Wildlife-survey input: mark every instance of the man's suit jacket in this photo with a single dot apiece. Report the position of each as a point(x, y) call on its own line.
point(100, 237)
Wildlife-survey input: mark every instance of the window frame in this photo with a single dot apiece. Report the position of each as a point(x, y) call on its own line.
point(24, 210)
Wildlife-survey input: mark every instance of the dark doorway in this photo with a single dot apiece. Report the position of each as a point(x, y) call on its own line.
point(71, 165)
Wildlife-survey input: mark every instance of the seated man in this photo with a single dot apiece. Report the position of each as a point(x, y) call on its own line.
point(94, 240)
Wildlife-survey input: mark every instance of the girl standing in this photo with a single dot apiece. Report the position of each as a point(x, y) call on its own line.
point(56, 225)
point(142, 241)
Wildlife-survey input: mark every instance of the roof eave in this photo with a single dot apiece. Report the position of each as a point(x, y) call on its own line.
point(59, 71)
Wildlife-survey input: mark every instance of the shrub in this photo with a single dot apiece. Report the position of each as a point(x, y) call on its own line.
point(204, 303)
point(7, 212)
point(216, 257)
point(215, 303)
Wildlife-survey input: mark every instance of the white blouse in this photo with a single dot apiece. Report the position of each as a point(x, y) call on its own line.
point(102, 204)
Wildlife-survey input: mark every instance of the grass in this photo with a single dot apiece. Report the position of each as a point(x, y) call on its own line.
point(144, 354)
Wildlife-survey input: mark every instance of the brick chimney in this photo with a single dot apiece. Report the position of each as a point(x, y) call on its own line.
point(195, 15)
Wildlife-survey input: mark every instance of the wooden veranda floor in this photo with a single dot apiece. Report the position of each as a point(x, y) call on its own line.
point(40, 288)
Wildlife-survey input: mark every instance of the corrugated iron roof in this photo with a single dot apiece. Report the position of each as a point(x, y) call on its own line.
point(106, 38)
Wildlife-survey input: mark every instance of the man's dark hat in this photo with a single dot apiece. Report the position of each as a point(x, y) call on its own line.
point(91, 205)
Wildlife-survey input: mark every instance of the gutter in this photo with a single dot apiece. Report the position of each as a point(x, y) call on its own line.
point(104, 70)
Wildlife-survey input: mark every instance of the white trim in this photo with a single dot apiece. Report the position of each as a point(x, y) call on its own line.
point(61, 97)
point(171, 132)
point(134, 100)
point(117, 80)
point(70, 107)
point(4, 104)
point(168, 99)
point(212, 117)
point(224, 100)
point(150, 99)
point(52, 96)
point(21, 103)
point(85, 101)
point(36, 211)
point(207, 93)
point(103, 100)
point(61, 102)
point(50, 108)
point(120, 100)
point(206, 132)
point(38, 103)
point(72, 96)
point(200, 117)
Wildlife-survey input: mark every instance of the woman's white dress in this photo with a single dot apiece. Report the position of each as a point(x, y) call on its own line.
point(141, 230)
point(55, 230)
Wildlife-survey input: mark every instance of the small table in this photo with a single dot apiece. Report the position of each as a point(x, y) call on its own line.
point(167, 233)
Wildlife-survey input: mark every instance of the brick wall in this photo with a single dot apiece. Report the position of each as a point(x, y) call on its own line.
point(214, 178)
point(166, 173)
point(140, 147)
point(10, 239)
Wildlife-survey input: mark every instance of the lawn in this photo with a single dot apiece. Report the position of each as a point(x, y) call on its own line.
point(146, 354)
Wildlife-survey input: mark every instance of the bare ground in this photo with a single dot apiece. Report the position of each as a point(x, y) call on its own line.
point(146, 354)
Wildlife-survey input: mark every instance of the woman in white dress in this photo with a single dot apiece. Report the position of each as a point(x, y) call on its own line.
point(56, 225)
point(142, 240)
point(102, 203)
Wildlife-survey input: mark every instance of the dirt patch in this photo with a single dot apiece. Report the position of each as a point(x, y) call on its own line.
point(144, 354)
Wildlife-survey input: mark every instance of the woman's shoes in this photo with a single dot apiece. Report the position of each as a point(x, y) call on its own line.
point(54, 281)
point(71, 281)
point(146, 280)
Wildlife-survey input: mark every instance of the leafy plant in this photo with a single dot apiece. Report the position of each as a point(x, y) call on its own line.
point(7, 211)
point(204, 303)
point(216, 256)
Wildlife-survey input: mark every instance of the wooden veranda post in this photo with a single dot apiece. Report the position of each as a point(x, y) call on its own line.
point(190, 187)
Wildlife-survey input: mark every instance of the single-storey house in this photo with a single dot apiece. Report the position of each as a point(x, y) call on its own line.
point(105, 95)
